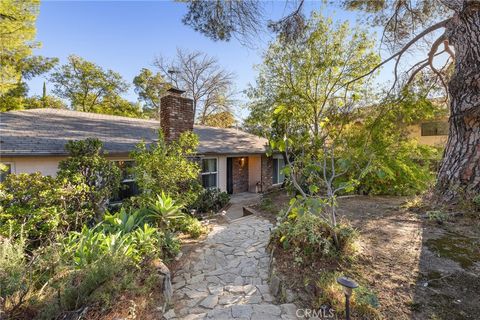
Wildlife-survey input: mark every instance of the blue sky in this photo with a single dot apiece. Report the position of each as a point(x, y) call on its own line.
point(125, 36)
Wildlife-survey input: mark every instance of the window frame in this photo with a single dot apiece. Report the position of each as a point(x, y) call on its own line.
point(278, 158)
point(210, 172)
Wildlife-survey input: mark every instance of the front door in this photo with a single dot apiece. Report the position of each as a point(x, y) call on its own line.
point(229, 175)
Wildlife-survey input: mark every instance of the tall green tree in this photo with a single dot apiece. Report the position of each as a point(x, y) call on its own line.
point(447, 27)
point(17, 40)
point(150, 87)
point(86, 85)
point(304, 92)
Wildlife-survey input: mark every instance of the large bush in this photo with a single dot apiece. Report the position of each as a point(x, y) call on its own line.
point(32, 204)
point(382, 155)
point(89, 177)
point(169, 168)
point(210, 200)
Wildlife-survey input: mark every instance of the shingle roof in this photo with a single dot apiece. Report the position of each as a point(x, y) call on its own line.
point(46, 131)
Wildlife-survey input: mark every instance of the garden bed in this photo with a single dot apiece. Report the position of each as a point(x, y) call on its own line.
point(414, 266)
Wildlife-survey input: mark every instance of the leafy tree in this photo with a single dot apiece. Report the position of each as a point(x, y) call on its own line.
point(222, 119)
point(116, 105)
point(47, 101)
point(169, 168)
point(204, 80)
point(150, 87)
point(398, 164)
point(309, 104)
point(407, 26)
point(90, 178)
point(86, 85)
point(17, 33)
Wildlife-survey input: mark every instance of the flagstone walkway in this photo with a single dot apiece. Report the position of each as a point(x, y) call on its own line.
point(226, 278)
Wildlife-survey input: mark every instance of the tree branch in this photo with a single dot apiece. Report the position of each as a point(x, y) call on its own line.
point(399, 54)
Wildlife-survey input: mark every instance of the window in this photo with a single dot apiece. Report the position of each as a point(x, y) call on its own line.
point(209, 173)
point(438, 128)
point(4, 172)
point(128, 186)
point(278, 175)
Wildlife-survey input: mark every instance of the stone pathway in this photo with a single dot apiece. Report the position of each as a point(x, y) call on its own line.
point(227, 277)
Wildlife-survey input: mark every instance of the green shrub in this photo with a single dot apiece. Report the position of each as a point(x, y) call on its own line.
point(73, 289)
point(311, 237)
point(364, 302)
point(170, 245)
point(32, 204)
point(266, 204)
point(169, 168)
point(91, 245)
point(476, 201)
point(191, 226)
point(89, 176)
point(395, 163)
point(438, 216)
point(211, 200)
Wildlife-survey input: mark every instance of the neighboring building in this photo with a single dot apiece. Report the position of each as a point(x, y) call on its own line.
point(231, 160)
point(433, 133)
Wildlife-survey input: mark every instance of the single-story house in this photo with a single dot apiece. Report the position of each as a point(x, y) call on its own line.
point(231, 160)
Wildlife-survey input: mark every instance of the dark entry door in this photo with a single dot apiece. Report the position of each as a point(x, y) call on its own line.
point(229, 175)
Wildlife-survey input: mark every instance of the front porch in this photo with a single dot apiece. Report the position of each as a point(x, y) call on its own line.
point(242, 173)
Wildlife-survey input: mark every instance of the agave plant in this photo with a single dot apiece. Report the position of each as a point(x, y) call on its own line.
point(124, 221)
point(164, 210)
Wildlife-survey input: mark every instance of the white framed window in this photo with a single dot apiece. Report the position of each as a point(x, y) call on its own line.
point(278, 176)
point(9, 169)
point(209, 173)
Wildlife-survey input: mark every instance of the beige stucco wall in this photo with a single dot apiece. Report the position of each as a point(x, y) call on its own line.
point(254, 172)
point(415, 131)
point(48, 166)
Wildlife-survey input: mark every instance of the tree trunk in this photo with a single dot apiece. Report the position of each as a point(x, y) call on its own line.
point(459, 172)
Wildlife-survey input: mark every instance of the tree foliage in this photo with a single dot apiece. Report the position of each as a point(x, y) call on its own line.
point(17, 34)
point(168, 168)
point(86, 85)
point(222, 119)
point(220, 20)
point(150, 87)
point(92, 178)
point(302, 92)
point(397, 163)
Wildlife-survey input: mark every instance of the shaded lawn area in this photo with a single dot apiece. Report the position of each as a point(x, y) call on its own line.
point(419, 269)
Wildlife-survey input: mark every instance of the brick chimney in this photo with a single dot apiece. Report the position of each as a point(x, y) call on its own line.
point(176, 114)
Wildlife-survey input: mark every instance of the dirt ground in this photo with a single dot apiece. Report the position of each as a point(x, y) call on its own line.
point(419, 269)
